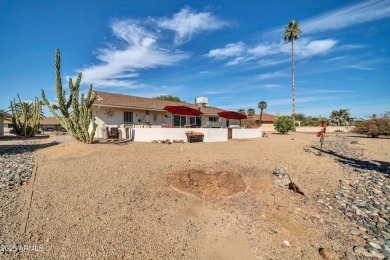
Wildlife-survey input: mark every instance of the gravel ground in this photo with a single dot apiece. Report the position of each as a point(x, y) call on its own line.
point(121, 201)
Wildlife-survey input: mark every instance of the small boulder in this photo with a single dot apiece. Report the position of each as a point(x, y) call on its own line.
point(282, 182)
point(327, 253)
point(280, 171)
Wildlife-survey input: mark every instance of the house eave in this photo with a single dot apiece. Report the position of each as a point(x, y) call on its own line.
point(143, 108)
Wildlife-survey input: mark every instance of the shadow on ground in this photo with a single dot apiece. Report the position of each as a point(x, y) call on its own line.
point(24, 145)
point(379, 166)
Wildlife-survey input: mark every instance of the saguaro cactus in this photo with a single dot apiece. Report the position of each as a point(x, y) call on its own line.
point(79, 122)
point(25, 117)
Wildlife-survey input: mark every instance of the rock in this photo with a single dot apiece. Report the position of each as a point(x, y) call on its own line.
point(377, 254)
point(327, 253)
point(359, 250)
point(280, 171)
point(282, 182)
point(374, 245)
point(350, 256)
point(286, 243)
point(355, 232)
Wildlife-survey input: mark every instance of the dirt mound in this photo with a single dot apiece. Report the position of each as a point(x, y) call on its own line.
point(208, 183)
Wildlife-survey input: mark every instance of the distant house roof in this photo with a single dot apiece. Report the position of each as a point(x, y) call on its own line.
point(133, 102)
point(5, 115)
point(266, 117)
point(49, 121)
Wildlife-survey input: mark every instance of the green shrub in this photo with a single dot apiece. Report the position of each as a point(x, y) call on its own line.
point(283, 124)
point(374, 127)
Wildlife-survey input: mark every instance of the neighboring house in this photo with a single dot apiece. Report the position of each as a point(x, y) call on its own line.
point(3, 116)
point(117, 110)
point(267, 121)
point(8, 126)
point(50, 124)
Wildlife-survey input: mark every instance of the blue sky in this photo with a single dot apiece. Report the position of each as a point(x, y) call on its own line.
point(229, 51)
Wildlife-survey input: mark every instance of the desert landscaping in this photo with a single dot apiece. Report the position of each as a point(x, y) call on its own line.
point(279, 197)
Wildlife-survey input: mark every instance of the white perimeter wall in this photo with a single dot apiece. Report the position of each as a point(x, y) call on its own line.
point(150, 134)
point(243, 133)
point(329, 129)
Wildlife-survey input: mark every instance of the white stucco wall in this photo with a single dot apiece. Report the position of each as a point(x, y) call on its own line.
point(329, 129)
point(214, 134)
point(150, 134)
point(154, 118)
point(243, 133)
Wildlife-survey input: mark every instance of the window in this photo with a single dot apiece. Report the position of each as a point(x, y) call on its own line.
point(10, 125)
point(128, 117)
point(213, 119)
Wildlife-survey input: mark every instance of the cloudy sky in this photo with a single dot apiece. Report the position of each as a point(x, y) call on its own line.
point(229, 51)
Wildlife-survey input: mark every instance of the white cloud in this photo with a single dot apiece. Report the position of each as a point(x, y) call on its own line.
point(141, 51)
point(237, 60)
point(272, 86)
point(305, 47)
point(359, 13)
point(360, 67)
point(265, 49)
point(187, 23)
point(272, 75)
point(230, 50)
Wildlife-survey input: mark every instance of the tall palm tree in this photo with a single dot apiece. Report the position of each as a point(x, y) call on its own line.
point(262, 105)
point(242, 111)
point(291, 33)
point(341, 117)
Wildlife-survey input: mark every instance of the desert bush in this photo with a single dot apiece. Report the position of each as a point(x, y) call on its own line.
point(373, 127)
point(283, 124)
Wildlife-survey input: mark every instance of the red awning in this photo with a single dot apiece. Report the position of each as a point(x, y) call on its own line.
point(232, 115)
point(183, 110)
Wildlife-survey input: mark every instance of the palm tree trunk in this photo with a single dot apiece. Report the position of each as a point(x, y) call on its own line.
point(261, 116)
point(293, 87)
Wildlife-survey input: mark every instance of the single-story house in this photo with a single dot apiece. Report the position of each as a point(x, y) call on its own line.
point(267, 121)
point(3, 116)
point(118, 110)
point(50, 124)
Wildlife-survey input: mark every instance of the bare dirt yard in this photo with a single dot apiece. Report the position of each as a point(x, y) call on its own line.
point(202, 200)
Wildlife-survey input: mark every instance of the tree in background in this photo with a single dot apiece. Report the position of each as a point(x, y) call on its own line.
point(249, 122)
point(80, 119)
point(29, 106)
point(26, 117)
point(262, 105)
point(291, 33)
point(242, 111)
point(341, 117)
point(168, 98)
point(374, 127)
point(251, 112)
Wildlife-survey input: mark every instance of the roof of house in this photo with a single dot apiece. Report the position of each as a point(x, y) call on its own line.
point(49, 121)
point(126, 101)
point(266, 117)
point(4, 114)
